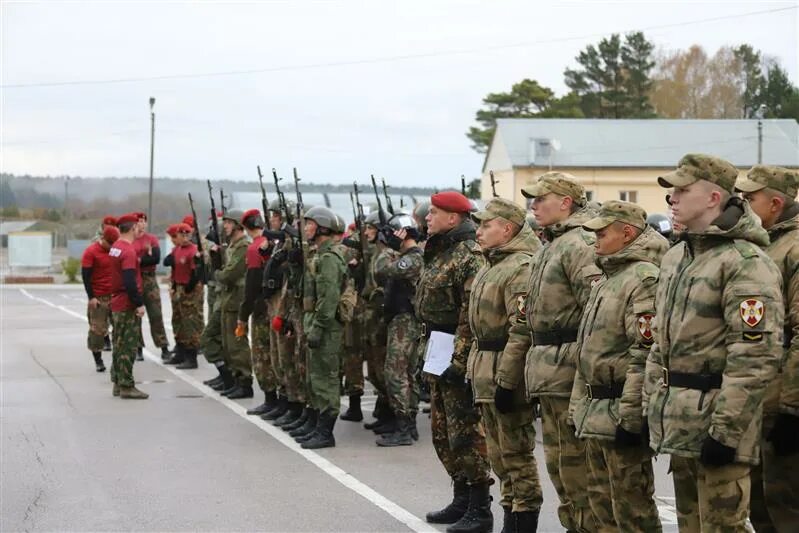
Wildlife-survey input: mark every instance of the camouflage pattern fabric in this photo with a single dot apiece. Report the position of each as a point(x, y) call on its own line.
point(262, 367)
point(151, 294)
point(352, 352)
point(99, 322)
point(401, 364)
point(211, 339)
point(774, 505)
point(621, 488)
point(127, 329)
point(231, 279)
point(296, 355)
point(274, 308)
point(187, 316)
point(236, 349)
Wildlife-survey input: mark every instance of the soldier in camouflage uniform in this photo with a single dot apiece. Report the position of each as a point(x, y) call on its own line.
point(562, 273)
point(97, 271)
point(499, 287)
point(614, 339)
point(771, 193)
point(353, 340)
point(718, 335)
point(186, 295)
point(149, 252)
point(452, 258)
point(236, 348)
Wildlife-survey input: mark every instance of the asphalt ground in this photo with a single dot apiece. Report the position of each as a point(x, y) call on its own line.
point(73, 458)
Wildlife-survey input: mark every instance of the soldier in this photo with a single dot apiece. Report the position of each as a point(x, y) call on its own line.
point(127, 308)
point(149, 251)
point(771, 193)
point(352, 354)
point(562, 273)
point(614, 340)
point(717, 345)
point(97, 270)
point(507, 243)
point(400, 273)
point(235, 347)
point(452, 258)
point(186, 294)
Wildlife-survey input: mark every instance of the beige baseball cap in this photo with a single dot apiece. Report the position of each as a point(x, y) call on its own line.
point(761, 177)
point(500, 207)
point(556, 182)
point(695, 167)
point(617, 211)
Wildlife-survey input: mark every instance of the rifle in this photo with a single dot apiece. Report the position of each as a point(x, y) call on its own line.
point(264, 202)
point(463, 185)
point(494, 182)
point(222, 236)
point(389, 206)
point(201, 265)
point(380, 211)
point(360, 224)
point(301, 225)
point(281, 199)
point(216, 258)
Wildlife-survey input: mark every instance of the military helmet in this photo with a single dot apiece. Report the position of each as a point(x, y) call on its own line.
point(373, 218)
point(402, 221)
point(234, 215)
point(660, 223)
point(324, 218)
point(341, 225)
point(420, 213)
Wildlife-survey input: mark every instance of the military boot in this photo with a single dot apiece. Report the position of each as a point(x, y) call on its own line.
point(243, 390)
point(279, 410)
point(214, 380)
point(298, 422)
point(234, 385)
point(98, 361)
point(107, 343)
point(132, 393)
point(353, 412)
point(115, 390)
point(527, 521)
point(179, 357)
point(456, 509)
point(308, 428)
point(165, 354)
point(189, 359)
point(227, 381)
point(478, 517)
point(293, 412)
point(509, 521)
point(388, 426)
point(380, 411)
point(270, 399)
point(413, 430)
point(140, 354)
point(401, 437)
point(323, 436)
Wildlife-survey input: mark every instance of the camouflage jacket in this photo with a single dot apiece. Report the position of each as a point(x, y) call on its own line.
point(561, 275)
point(497, 292)
point(325, 278)
point(783, 393)
point(400, 272)
point(442, 294)
point(615, 337)
point(719, 310)
point(231, 276)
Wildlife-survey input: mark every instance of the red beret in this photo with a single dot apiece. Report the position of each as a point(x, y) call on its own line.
point(172, 230)
point(130, 217)
point(188, 220)
point(110, 234)
point(108, 220)
point(140, 215)
point(184, 228)
point(249, 213)
point(451, 201)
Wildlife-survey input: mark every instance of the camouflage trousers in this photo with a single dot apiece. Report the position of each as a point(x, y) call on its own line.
point(402, 360)
point(262, 367)
point(566, 464)
point(127, 329)
point(99, 322)
point(775, 488)
point(708, 498)
point(323, 370)
point(458, 436)
point(236, 350)
point(272, 310)
point(293, 357)
point(151, 294)
point(211, 339)
point(621, 488)
point(352, 354)
point(510, 439)
point(374, 348)
point(187, 316)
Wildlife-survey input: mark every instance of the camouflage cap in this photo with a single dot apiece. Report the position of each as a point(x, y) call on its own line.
point(500, 207)
point(617, 211)
point(556, 182)
point(760, 177)
point(695, 167)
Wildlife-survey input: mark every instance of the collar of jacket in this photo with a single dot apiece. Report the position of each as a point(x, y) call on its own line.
point(650, 246)
point(438, 243)
point(737, 221)
point(575, 220)
point(789, 220)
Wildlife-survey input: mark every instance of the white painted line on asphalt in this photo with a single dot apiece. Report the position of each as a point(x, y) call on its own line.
point(348, 480)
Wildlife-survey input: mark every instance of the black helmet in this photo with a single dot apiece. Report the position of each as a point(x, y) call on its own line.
point(397, 222)
point(661, 224)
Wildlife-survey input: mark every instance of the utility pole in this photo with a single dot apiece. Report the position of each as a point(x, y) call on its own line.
point(760, 113)
point(152, 155)
point(66, 197)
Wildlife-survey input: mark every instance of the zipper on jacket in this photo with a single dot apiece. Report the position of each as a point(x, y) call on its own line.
point(685, 300)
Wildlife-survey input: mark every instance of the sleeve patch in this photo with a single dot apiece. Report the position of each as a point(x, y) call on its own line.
point(645, 328)
point(752, 311)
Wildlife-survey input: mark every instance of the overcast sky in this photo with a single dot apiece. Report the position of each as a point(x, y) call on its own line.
point(318, 101)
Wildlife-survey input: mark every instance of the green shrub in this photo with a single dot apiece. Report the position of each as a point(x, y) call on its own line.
point(70, 266)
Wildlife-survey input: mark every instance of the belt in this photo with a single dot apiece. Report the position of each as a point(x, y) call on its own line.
point(554, 337)
point(492, 345)
point(430, 327)
point(605, 392)
point(787, 337)
point(703, 382)
point(148, 272)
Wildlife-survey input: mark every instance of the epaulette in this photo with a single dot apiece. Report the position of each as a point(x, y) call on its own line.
point(646, 271)
point(746, 248)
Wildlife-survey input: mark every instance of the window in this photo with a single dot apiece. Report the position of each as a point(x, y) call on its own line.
point(628, 196)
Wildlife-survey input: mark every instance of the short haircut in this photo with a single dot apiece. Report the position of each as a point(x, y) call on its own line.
point(126, 227)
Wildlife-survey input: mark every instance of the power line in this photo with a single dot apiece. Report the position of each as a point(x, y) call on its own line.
point(386, 59)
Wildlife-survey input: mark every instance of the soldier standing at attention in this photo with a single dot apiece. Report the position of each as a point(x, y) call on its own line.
point(97, 272)
point(236, 348)
point(508, 244)
point(614, 341)
point(149, 251)
point(771, 193)
point(562, 273)
point(186, 293)
point(452, 258)
point(718, 335)
point(325, 278)
point(127, 308)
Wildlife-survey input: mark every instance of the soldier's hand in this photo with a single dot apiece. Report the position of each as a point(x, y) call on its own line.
point(785, 435)
point(401, 233)
point(288, 328)
point(93, 303)
point(503, 399)
point(140, 311)
point(241, 329)
point(715, 453)
point(627, 439)
point(453, 375)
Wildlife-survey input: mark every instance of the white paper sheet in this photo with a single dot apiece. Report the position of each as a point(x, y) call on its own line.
point(438, 355)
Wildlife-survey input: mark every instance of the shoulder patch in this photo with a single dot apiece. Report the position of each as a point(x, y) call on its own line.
point(404, 263)
point(746, 249)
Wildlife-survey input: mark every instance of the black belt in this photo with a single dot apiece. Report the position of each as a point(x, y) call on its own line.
point(787, 337)
point(430, 327)
point(703, 382)
point(605, 392)
point(492, 345)
point(554, 337)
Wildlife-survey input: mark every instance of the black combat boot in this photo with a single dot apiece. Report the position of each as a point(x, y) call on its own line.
point(478, 517)
point(509, 521)
point(270, 399)
point(388, 426)
point(298, 422)
point(244, 390)
point(353, 412)
point(215, 379)
point(279, 410)
point(179, 357)
point(293, 412)
point(527, 521)
point(189, 359)
point(165, 354)
point(107, 343)
point(139, 356)
point(323, 436)
point(308, 427)
point(380, 412)
point(413, 430)
point(456, 509)
point(234, 385)
point(98, 361)
point(401, 437)
point(227, 380)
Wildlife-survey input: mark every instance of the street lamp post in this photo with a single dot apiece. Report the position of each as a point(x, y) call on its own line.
point(759, 114)
point(152, 156)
